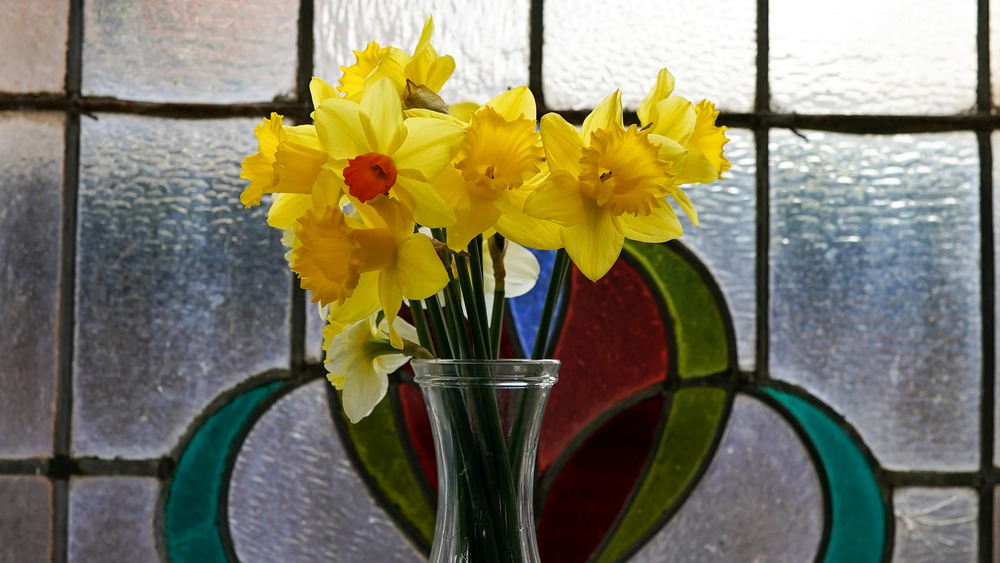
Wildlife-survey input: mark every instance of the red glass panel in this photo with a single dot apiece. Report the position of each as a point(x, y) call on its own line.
point(613, 343)
point(419, 429)
point(591, 489)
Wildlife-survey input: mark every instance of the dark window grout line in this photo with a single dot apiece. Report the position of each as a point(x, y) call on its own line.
point(67, 283)
point(987, 411)
point(536, 45)
point(762, 101)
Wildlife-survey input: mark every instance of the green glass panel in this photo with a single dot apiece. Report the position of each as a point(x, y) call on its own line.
point(192, 508)
point(696, 417)
point(376, 442)
point(702, 345)
point(858, 516)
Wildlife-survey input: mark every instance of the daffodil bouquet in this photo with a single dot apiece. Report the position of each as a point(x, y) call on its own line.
point(392, 195)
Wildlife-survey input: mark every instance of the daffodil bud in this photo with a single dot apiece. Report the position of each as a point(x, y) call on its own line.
point(419, 96)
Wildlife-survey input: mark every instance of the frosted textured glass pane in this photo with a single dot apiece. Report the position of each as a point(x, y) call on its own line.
point(111, 519)
point(215, 51)
point(760, 500)
point(294, 495)
point(858, 56)
point(314, 333)
point(995, 52)
point(25, 519)
point(595, 46)
point(31, 171)
point(726, 238)
point(488, 40)
point(33, 43)
point(935, 525)
point(181, 292)
point(875, 289)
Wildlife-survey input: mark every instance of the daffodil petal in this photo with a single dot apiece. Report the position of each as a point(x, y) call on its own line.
point(514, 104)
point(430, 145)
point(606, 115)
point(562, 143)
point(338, 124)
point(362, 303)
point(524, 229)
point(476, 217)
point(697, 169)
point(662, 89)
point(682, 199)
point(364, 388)
point(439, 72)
point(391, 297)
point(660, 225)
point(382, 117)
point(594, 244)
point(421, 273)
point(558, 199)
point(522, 270)
point(320, 91)
point(429, 208)
point(287, 208)
point(675, 119)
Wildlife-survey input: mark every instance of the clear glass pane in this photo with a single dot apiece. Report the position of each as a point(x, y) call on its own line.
point(111, 519)
point(181, 292)
point(759, 500)
point(726, 239)
point(875, 293)
point(857, 56)
point(33, 43)
point(488, 40)
point(593, 47)
point(935, 525)
point(995, 51)
point(314, 333)
point(294, 495)
point(31, 179)
point(217, 51)
point(26, 519)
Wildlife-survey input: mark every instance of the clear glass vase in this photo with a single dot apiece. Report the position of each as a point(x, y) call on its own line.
point(485, 416)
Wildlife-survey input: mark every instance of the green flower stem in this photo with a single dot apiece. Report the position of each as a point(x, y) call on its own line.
point(477, 324)
point(496, 325)
point(559, 270)
point(498, 251)
point(478, 290)
point(456, 322)
point(443, 337)
point(420, 323)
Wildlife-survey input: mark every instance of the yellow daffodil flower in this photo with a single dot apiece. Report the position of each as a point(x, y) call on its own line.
point(360, 358)
point(693, 126)
point(376, 153)
point(334, 254)
point(417, 78)
point(490, 180)
point(288, 160)
point(606, 184)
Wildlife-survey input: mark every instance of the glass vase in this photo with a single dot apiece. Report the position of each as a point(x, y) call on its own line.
point(485, 416)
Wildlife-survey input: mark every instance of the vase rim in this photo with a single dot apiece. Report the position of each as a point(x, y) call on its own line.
point(520, 372)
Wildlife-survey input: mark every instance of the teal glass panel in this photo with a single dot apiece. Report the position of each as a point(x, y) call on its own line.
point(191, 516)
point(858, 516)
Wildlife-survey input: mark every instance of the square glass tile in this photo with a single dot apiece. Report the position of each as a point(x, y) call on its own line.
point(216, 51)
point(25, 519)
point(858, 56)
point(875, 287)
point(112, 519)
point(935, 525)
point(31, 181)
point(181, 292)
point(593, 47)
point(488, 40)
point(33, 42)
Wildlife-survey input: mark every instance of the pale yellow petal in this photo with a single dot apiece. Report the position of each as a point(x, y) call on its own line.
point(391, 297)
point(463, 110)
point(338, 124)
point(382, 117)
point(594, 244)
point(362, 303)
point(287, 208)
point(364, 388)
point(430, 145)
point(558, 199)
point(682, 199)
point(523, 229)
point(427, 205)
point(439, 72)
point(662, 89)
point(420, 271)
point(321, 90)
point(675, 119)
point(606, 115)
point(476, 217)
point(515, 104)
point(659, 226)
point(562, 143)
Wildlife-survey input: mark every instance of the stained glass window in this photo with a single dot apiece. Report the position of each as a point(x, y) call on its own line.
point(809, 375)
